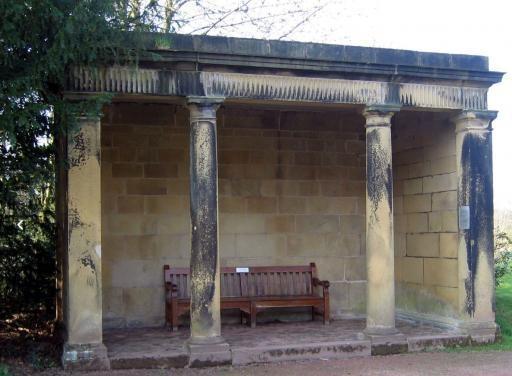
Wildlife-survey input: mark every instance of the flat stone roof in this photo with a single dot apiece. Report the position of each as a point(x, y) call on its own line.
point(325, 52)
point(253, 55)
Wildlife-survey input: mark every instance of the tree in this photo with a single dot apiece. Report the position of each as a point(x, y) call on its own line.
point(39, 41)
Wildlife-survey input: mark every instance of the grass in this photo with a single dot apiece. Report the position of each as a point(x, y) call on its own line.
point(504, 313)
point(503, 319)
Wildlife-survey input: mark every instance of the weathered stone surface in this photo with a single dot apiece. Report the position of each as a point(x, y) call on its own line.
point(380, 289)
point(436, 342)
point(88, 357)
point(388, 344)
point(209, 355)
point(82, 273)
point(158, 348)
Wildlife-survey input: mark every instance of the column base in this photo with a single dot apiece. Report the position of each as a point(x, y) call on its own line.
point(386, 341)
point(207, 352)
point(381, 331)
point(480, 332)
point(85, 357)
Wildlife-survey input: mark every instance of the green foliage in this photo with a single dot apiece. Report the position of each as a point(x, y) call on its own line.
point(504, 311)
point(39, 41)
point(4, 370)
point(502, 256)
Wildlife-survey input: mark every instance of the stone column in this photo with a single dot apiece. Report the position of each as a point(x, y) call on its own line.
point(82, 261)
point(380, 292)
point(206, 345)
point(476, 225)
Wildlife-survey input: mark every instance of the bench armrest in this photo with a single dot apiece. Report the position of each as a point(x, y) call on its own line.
point(172, 288)
point(324, 284)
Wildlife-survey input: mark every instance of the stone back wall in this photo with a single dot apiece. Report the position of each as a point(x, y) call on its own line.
point(425, 200)
point(291, 191)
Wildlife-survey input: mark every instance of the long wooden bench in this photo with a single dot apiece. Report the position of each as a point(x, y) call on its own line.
point(251, 290)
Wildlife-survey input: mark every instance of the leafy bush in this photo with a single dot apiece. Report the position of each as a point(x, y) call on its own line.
point(4, 371)
point(502, 255)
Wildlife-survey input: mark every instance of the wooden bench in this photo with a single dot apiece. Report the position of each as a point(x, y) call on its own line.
point(251, 290)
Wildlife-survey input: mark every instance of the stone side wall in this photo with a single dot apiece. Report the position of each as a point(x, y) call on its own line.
point(425, 213)
point(291, 191)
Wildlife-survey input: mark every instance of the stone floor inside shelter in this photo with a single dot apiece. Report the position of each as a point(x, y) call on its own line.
point(274, 342)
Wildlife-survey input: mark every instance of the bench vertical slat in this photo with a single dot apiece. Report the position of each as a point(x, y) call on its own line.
point(243, 284)
point(251, 284)
point(238, 284)
point(308, 283)
point(300, 283)
point(174, 281)
point(302, 277)
point(232, 284)
point(223, 285)
point(296, 287)
point(289, 282)
point(227, 285)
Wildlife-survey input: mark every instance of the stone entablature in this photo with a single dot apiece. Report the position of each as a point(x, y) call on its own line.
point(275, 88)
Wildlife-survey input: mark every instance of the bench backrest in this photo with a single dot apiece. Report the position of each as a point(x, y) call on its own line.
point(252, 281)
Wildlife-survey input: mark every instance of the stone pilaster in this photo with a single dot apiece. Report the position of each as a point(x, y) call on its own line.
point(206, 345)
point(380, 293)
point(476, 225)
point(82, 262)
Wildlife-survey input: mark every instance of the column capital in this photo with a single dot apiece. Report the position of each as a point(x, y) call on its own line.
point(379, 115)
point(203, 108)
point(471, 120)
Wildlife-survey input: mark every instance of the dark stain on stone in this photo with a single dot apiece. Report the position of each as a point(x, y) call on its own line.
point(477, 193)
point(74, 218)
point(197, 363)
point(171, 361)
point(87, 261)
point(80, 150)
point(390, 348)
point(379, 180)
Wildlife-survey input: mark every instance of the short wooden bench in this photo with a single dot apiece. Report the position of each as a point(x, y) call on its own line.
point(251, 290)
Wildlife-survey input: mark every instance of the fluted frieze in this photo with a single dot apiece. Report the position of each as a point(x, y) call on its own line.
point(274, 87)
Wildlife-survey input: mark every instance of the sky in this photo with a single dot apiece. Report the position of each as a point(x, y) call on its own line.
point(450, 26)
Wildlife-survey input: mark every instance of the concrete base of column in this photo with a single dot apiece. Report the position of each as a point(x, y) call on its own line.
point(381, 331)
point(213, 351)
point(386, 344)
point(480, 332)
point(85, 357)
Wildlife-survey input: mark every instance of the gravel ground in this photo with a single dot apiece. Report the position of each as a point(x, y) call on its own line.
point(424, 364)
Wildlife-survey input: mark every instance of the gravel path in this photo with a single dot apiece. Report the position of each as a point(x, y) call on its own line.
point(424, 364)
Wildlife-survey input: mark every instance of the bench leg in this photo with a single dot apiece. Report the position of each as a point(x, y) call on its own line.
point(313, 313)
point(326, 311)
point(174, 315)
point(254, 312)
